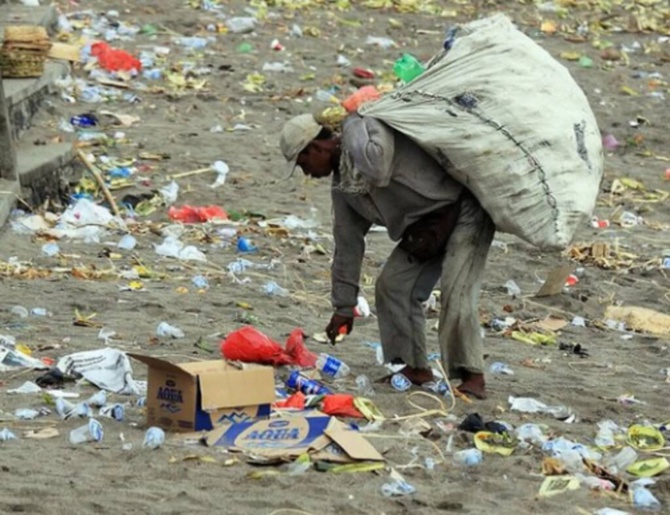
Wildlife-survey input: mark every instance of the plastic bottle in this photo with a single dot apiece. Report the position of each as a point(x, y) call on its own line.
point(364, 386)
point(624, 458)
point(408, 68)
point(153, 438)
point(331, 366)
point(297, 381)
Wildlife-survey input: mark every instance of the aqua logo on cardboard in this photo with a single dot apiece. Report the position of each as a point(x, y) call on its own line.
point(277, 430)
point(171, 396)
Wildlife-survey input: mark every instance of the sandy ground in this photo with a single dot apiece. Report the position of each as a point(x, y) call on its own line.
point(51, 476)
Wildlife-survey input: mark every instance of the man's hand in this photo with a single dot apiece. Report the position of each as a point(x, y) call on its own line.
point(337, 322)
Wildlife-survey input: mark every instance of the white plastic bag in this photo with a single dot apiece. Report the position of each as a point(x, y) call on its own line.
point(511, 124)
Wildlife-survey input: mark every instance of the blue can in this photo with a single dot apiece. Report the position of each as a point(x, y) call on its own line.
point(297, 381)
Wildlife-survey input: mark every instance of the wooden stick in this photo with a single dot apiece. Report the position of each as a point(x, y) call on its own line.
point(100, 182)
point(192, 172)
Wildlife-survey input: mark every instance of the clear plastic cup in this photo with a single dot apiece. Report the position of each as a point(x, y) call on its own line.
point(91, 432)
point(153, 438)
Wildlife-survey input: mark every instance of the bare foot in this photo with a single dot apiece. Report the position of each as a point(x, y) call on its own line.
point(417, 376)
point(473, 384)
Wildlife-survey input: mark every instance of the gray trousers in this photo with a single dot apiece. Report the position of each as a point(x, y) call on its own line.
point(404, 284)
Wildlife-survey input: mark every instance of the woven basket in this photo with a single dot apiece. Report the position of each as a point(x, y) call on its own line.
point(21, 63)
point(34, 37)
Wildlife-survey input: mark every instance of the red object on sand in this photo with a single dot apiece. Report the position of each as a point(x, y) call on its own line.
point(295, 347)
point(295, 401)
point(249, 345)
point(114, 60)
point(196, 214)
point(365, 94)
point(340, 405)
point(363, 73)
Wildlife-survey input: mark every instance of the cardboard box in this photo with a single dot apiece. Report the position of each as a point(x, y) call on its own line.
point(289, 436)
point(201, 395)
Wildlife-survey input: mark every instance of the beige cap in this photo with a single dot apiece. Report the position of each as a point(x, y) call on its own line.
point(297, 133)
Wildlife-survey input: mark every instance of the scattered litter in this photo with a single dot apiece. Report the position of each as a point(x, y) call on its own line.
point(91, 432)
point(6, 434)
point(27, 387)
point(397, 486)
point(166, 330)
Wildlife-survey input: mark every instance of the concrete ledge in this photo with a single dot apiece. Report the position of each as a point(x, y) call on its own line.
point(46, 172)
point(24, 96)
point(9, 190)
point(35, 161)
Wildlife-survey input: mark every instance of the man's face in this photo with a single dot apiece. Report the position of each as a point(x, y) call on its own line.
point(316, 159)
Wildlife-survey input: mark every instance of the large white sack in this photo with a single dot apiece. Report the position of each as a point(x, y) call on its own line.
point(512, 124)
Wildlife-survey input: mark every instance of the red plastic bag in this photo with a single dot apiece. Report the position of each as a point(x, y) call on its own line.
point(340, 405)
point(295, 347)
point(357, 99)
point(196, 214)
point(295, 401)
point(114, 60)
point(249, 345)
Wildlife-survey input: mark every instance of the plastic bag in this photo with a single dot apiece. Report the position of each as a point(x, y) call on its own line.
point(196, 214)
point(295, 347)
point(295, 401)
point(357, 99)
point(249, 345)
point(340, 405)
point(113, 60)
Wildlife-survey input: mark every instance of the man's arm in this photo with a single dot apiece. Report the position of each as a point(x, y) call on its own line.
point(349, 231)
point(371, 145)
